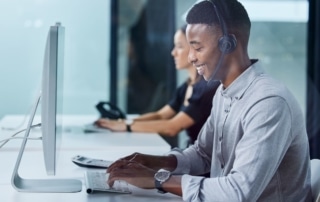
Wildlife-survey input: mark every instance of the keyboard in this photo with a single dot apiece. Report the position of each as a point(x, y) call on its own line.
point(91, 128)
point(96, 181)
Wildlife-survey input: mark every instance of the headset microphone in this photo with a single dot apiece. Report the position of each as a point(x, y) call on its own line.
point(211, 78)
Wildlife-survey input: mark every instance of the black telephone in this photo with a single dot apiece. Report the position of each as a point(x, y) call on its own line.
point(112, 112)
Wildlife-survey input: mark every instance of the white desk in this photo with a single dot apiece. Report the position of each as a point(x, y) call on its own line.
point(109, 146)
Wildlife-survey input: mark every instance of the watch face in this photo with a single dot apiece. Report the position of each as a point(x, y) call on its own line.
point(162, 175)
point(128, 121)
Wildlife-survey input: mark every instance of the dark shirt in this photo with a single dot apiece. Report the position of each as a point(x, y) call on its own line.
point(199, 107)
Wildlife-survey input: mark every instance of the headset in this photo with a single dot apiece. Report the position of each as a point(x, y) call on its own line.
point(228, 42)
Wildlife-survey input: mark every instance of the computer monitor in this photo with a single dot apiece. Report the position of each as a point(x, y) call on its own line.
point(51, 96)
point(51, 102)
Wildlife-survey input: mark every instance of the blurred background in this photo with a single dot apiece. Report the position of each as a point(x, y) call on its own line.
point(119, 50)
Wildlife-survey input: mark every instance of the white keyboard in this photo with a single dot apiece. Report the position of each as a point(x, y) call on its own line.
point(91, 128)
point(96, 181)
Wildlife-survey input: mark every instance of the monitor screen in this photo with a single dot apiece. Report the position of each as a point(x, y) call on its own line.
point(51, 96)
point(51, 116)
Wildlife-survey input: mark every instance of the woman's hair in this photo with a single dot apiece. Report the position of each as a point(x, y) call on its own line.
point(183, 28)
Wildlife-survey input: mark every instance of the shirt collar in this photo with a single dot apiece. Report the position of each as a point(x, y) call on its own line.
point(239, 86)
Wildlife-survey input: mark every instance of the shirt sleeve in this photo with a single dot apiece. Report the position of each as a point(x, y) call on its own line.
point(196, 159)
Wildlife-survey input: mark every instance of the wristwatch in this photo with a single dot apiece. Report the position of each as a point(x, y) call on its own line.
point(129, 122)
point(160, 177)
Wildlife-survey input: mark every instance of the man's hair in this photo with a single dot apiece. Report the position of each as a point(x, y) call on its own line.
point(231, 12)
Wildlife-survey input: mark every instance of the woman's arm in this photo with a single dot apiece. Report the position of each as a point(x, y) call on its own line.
point(165, 112)
point(170, 127)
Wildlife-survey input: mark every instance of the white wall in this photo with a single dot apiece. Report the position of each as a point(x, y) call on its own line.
point(23, 30)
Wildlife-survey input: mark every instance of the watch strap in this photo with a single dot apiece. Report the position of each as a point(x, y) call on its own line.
point(129, 127)
point(158, 186)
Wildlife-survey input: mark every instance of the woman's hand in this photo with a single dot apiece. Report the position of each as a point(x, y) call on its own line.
point(114, 125)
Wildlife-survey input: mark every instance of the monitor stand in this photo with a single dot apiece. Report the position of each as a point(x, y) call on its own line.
point(40, 185)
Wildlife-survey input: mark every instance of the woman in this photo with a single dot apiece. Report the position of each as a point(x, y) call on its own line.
point(187, 110)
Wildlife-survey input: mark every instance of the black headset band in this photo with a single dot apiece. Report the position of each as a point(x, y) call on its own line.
point(220, 18)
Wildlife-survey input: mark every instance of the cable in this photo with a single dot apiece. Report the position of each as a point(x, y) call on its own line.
point(5, 141)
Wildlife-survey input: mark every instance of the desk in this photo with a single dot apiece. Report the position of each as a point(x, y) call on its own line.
point(110, 146)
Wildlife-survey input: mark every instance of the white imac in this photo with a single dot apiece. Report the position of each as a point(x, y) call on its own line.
point(51, 109)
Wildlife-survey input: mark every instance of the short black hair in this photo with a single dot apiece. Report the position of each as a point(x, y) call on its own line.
point(232, 12)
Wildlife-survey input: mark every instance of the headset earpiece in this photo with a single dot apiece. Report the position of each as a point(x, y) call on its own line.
point(227, 43)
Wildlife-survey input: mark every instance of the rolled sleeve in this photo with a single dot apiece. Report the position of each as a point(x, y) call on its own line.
point(190, 188)
point(183, 165)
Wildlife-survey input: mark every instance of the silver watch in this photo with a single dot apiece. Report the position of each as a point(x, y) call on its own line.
point(160, 177)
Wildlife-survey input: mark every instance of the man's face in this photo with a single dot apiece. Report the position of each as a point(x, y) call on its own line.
point(204, 52)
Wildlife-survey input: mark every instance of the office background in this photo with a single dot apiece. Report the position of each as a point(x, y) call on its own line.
point(97, 61)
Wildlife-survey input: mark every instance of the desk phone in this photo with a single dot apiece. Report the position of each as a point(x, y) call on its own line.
point(90, 162)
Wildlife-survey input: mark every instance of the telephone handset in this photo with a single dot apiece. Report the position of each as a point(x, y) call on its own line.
point(111, 112)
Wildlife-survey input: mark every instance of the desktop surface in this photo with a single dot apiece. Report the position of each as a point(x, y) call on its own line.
point(74, 137)
point(75, 142)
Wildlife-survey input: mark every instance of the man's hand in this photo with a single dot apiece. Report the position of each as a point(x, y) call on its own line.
point(151, 161)
point(133, 173)
point(139, 170)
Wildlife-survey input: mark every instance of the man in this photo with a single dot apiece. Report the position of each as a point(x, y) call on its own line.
point(254, 145)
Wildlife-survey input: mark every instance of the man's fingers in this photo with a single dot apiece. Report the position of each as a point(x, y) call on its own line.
point(116, 165)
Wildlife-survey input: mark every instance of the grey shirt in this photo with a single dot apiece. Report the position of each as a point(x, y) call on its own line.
point(254, 144)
